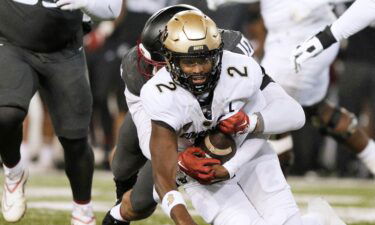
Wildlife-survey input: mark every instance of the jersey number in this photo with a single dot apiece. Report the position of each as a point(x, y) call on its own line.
point(232, 70)
point(172, 86)
point(34, 2)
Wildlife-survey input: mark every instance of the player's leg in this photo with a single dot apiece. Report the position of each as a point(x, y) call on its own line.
point(66, 91)
point(283, 146)
point(137, 203)
point(264, 184)
point(343, 126)
point(128, 157)
point(18, 82)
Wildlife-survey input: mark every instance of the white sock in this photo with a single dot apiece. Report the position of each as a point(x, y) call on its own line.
point(367, 156)
point(115, 212)
point(82, 210)
point(14, 174)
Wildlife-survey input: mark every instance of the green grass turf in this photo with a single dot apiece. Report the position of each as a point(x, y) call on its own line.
point(103, 192)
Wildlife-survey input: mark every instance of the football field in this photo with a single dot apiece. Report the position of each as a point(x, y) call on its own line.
point(49, 198)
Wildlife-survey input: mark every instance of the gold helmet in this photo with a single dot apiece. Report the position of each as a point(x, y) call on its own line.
point(191, 34)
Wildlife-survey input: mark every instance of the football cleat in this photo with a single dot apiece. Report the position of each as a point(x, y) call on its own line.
point(322, 207)
point(13, 204)
point(110, 220)
point(83, 215)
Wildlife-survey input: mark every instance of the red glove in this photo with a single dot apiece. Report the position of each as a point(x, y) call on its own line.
point(194, 163)
point(236, 124)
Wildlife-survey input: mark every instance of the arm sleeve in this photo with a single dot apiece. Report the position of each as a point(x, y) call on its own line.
point(282, 112)
point(358, 16)
point(103, 9)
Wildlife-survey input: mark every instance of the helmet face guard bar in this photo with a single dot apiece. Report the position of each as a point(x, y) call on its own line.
point(185, 80)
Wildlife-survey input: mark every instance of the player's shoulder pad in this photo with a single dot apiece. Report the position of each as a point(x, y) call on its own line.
point(130, 74)
point(160, 97)
point(160, 89)
point(235, 41)
point(242, 71)
point(129, 61)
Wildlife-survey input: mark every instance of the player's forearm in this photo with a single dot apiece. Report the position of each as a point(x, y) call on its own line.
point(282, 112)
point(358, 16)
point(244, 154)
point(164, 164)
point(163, 146)
point(164, 169)
point(103, 9)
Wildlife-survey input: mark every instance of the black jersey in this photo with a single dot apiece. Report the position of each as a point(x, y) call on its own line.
point(233, 41)
point(39, 26)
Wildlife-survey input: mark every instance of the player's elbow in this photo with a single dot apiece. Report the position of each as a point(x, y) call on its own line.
point(298, 116)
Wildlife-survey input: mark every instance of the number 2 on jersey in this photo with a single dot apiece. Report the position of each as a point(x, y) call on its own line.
point(172, 86)
point(232, 70)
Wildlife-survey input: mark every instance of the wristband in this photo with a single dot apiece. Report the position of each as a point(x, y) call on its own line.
point(253, 122)
point(170, 200)
point(326, 37)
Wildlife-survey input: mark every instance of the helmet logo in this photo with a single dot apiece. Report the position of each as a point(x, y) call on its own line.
point(198, 48)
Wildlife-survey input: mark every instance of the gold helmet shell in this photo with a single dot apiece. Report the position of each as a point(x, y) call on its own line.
point(191, 31)
point(191, 34)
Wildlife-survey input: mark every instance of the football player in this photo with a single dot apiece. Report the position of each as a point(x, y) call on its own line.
point(358, 16)
point(295, 21)
point(128, 158)
point(41, 50)
point(202, 87)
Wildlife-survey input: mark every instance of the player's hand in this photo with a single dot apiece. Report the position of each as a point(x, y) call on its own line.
point(71, 4)
point(96, 38)
point(221, 173)
point(238, 123)
point(194, 163)
point(308, 49)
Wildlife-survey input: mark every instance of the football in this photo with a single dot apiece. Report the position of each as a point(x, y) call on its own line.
point(218, 145)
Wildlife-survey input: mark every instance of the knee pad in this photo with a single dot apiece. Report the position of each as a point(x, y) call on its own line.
point(11, 117)
point(335, 121)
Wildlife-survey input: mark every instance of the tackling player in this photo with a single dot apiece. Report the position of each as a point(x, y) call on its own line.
point(41, 50)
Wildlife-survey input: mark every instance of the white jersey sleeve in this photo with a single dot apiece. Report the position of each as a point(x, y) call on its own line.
point(358, 16)
point(282, 112)
point(157, 99)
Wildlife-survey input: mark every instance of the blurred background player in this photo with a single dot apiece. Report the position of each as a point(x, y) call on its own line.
point(52, 62)
point(356, 80)
point(360, 15)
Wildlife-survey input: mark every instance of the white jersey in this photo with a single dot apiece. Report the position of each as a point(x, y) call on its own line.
point(238, 88)
point(290, 22)
point(301, 16)
point(259, 187)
